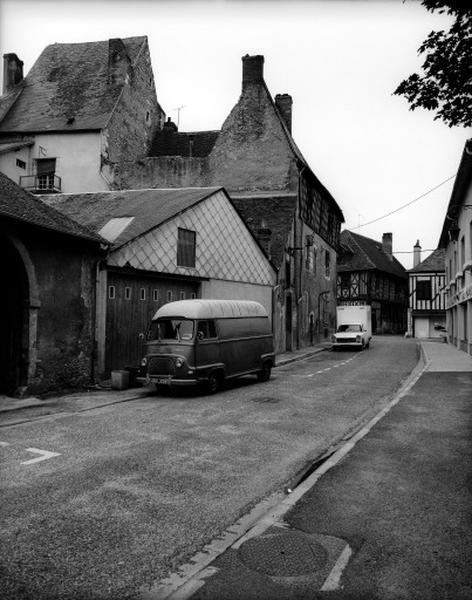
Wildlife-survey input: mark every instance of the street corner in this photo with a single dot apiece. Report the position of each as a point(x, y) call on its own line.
point(276, 564)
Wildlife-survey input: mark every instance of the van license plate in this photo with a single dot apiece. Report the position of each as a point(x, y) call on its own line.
point(163, 381)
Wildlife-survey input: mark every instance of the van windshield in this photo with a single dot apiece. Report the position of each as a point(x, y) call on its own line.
point(171, 329)
point(346, 327)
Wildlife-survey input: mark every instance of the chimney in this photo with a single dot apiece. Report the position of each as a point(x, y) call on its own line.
point(387, 244)
point(416, 254)
point(263, 235)
point(284, 104)
point(253, 69)
point(12, 71)
point(119, 63)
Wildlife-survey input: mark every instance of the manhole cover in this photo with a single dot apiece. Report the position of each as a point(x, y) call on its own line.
point(287, 554)
point(266, 399)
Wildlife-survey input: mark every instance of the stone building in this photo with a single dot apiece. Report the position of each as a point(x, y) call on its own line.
point(256, 159)
point(165, 245)
point(81, 109)
point(47, 305)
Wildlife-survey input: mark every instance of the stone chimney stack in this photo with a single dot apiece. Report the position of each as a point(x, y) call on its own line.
point(12, 71)
point(416, 254)
point(253, 69)
point(284, 104)
point(387, 244)
point(264, 235)
point(119, 63)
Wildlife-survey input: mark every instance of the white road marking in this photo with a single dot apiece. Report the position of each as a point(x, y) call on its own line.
point(45, 455)
point(4, 444)
point(332, 581)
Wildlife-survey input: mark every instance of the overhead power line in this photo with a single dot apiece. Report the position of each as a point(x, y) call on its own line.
point(405, 205)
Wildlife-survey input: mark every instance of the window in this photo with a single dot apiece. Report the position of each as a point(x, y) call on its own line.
point(182, 295)
point(169, 295)
point(206, 329)
point(423, 289)
point(142, 294)
point(462, 253)
point(127, 293)
point(155, 295)
point(111, 292)
point(186, 248)
point(193, 296)
point(45, 170)
point(327, 264)
point(20, 163)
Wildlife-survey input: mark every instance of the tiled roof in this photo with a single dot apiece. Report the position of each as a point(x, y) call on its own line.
point(360, 253)
point(173, 143)
point(276, 212)
point(20, 205)
point(433, 263)
point(68, 81)
point(148, 207)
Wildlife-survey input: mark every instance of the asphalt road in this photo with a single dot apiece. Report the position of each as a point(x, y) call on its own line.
point(138, 488)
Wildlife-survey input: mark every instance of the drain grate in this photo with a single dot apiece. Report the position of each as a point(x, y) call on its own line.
point(287, 554)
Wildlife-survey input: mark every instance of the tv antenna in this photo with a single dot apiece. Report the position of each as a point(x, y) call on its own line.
point(178, 109)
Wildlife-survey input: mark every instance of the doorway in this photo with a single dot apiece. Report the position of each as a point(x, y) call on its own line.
point(13, 319)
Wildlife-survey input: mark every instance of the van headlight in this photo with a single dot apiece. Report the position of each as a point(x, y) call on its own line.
point(358, 339)
point(144, 362)
point(179, 362)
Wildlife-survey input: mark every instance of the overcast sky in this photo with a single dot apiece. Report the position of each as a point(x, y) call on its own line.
point(339, 60)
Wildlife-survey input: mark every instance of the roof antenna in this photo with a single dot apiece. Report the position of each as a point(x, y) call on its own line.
point(178, 109)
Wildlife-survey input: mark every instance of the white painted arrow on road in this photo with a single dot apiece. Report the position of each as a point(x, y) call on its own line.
point(45, 455)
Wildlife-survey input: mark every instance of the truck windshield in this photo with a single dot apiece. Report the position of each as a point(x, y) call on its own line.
point(171, 329)
point(346, 327)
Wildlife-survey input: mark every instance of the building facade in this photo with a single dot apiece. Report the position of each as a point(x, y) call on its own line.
point(47, 309)
point(456, 240)
point(255, 158)
point(81, 109)
point(368, 273)
point(427, 309)
point(166, 245)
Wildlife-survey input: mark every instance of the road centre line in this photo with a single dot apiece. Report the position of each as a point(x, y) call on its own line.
point(4, 444)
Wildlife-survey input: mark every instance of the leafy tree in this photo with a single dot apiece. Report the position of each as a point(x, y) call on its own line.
point(446, 83)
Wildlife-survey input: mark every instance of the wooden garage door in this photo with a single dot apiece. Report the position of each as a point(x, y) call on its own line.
point(132, 302)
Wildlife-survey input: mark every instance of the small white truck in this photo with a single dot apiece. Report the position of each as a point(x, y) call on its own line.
point(354, 327)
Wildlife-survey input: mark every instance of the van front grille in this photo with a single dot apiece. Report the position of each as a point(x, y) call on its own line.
point(158, 365)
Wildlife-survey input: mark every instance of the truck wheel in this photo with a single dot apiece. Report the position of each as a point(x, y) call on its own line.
point(213, 383)
point(264, 373)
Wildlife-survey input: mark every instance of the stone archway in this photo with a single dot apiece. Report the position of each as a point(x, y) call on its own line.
point(18, 305)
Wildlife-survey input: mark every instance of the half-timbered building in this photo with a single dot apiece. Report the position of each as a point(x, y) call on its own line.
point(427, 309)
point(368, 273)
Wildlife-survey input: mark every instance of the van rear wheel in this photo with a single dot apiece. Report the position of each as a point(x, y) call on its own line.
point(264, 373)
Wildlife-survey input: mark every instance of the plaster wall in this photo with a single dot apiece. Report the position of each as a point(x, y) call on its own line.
point(219, 289)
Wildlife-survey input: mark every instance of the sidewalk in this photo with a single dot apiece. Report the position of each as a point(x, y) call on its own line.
point(94, 398)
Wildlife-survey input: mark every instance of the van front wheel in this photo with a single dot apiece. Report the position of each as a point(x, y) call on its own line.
point(264, 373)
point(213, 383)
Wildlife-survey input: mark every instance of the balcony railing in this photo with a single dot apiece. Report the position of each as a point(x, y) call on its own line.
point(41, 184)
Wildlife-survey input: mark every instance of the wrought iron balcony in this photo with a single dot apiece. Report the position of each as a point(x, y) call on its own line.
point(41, 184)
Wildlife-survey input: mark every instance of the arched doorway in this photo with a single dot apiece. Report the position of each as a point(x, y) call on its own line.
point(14, 319)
